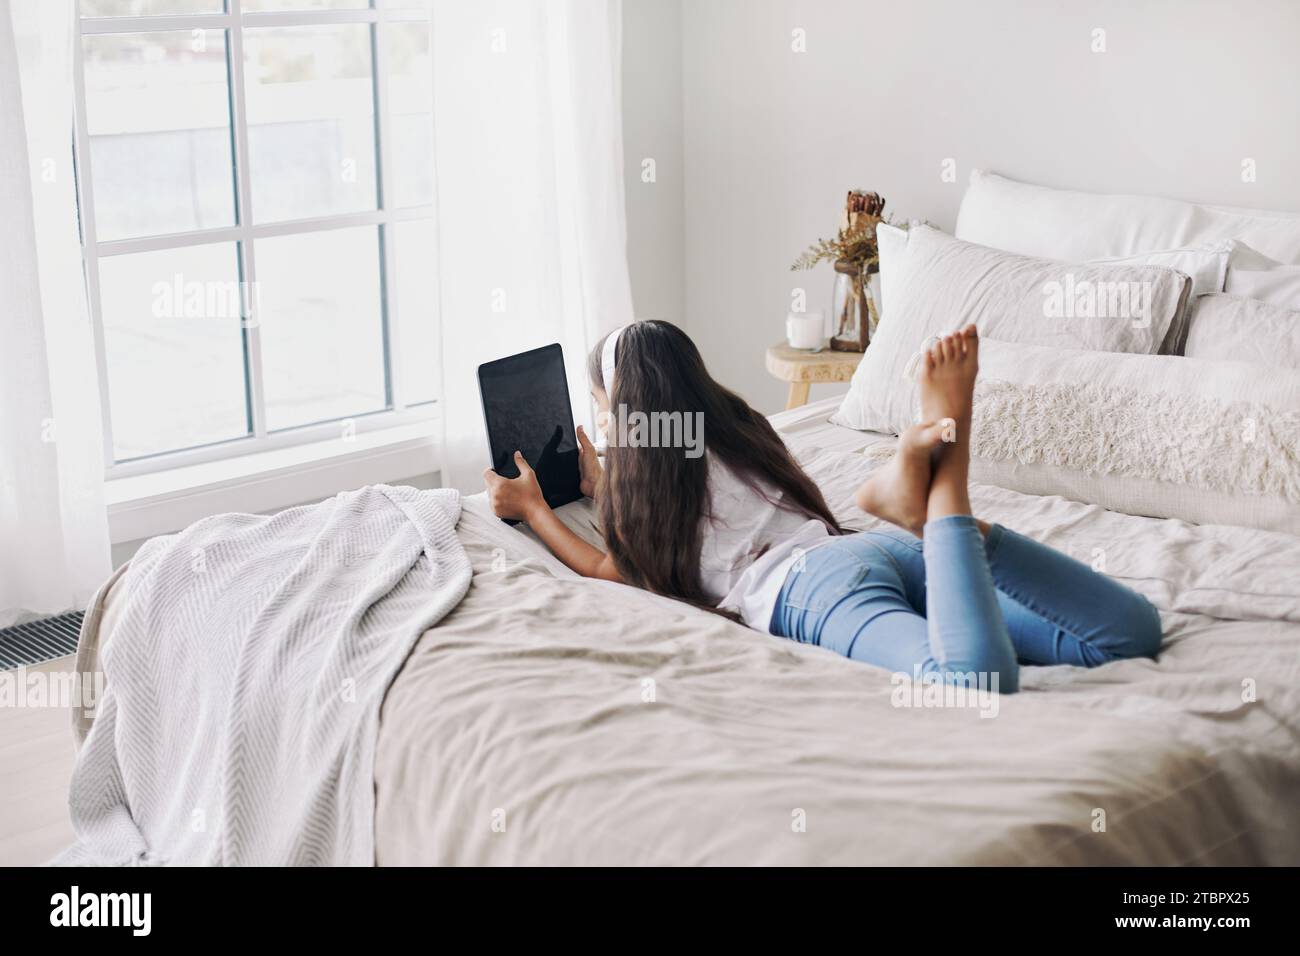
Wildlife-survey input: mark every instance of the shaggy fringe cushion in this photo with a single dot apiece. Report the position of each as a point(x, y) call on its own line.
point(1236, 447)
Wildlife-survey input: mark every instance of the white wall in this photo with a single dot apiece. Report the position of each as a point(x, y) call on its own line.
point(652, 130)
point(888, 90)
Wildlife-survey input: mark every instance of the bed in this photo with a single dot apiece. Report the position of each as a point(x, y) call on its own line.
point(555, 720)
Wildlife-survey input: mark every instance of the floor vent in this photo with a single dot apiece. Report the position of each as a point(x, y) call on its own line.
point(39, 641)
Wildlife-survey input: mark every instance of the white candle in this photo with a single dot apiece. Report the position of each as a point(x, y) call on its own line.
point(804, 330)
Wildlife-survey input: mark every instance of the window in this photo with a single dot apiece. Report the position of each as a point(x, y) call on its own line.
point(255, 180)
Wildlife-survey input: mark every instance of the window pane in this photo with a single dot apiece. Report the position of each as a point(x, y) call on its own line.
point(158, 112)
point(322, 331)
point(303, 4)
point(415, 290)
point(148, 8)
point(311, 136)
point(173, 340)
point(410, 109)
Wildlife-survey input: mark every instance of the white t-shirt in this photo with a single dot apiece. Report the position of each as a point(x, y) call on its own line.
point(748, 543)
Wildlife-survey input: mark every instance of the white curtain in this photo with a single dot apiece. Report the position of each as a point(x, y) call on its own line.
point(54, 546)
point(531, 219)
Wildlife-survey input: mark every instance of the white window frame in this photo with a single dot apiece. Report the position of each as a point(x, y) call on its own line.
point(244, 233)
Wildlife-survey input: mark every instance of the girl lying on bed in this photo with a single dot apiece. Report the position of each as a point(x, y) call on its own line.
point(742, 530)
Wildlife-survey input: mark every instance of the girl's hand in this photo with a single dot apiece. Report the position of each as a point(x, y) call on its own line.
point(515, 498)
point(589, 467)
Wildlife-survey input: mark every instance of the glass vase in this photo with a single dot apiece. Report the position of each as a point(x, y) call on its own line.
point(853, 310)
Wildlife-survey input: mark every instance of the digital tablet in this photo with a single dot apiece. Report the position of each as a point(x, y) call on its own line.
point(526, 408)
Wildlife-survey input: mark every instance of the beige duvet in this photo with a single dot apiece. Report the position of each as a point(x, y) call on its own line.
point(555, 720)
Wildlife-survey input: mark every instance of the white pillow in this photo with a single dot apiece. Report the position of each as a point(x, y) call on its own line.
point(932, 283)
point(1166, 436)
point(1077, 226)
point(1244, 257)
point(1280, 286)
point(1207, 264)
point(1159, 435)
point(1255, 276)
point(1237, 329)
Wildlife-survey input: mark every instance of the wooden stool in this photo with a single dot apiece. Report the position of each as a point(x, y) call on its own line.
point(801, 369)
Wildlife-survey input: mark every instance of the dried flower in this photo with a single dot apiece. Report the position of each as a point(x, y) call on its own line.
point(856, 241)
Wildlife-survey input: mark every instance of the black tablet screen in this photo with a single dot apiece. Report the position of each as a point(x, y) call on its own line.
point(526, 407)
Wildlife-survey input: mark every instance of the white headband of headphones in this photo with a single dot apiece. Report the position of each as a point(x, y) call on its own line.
point(607, 361)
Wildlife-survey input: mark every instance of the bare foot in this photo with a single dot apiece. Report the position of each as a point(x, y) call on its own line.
point(948, 381)
point(899, 490)
point(947, 391)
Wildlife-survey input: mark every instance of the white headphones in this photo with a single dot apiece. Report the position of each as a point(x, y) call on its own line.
point(607, 361)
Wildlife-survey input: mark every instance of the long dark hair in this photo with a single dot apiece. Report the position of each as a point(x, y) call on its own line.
point(653, 499)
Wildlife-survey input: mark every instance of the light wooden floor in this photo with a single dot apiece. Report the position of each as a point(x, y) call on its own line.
point(36, 754)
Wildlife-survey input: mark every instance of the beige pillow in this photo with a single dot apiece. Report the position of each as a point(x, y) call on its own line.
point(1206, 265)
point(932, 283)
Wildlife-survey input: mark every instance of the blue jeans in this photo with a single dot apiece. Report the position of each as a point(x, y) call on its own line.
point(959, 603)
